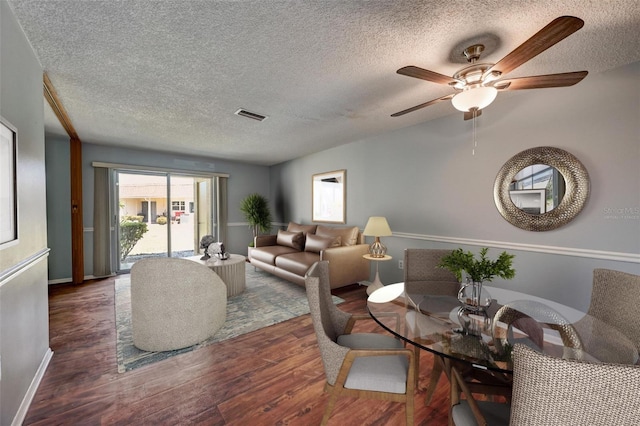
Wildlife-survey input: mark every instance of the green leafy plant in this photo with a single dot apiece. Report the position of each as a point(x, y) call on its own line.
point(131, 231)
point(256, 211)
point(481, 269)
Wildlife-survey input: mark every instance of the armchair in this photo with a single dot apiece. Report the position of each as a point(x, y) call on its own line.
point(175, 303)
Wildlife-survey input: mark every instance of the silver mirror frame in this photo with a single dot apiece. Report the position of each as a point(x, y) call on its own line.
point(575, 197)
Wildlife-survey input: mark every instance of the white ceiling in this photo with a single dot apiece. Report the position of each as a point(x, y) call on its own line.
point(168, 75)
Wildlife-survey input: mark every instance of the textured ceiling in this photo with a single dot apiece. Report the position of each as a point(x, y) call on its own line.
point(168, 75)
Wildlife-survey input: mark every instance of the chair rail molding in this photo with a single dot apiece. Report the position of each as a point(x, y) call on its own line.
point(9, 274)
point(565, 251)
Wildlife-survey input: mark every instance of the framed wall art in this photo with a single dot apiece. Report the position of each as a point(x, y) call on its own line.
point(8, 185)
point(329, 197)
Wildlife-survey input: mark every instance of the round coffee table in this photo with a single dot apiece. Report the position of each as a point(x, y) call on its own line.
point(231, 271)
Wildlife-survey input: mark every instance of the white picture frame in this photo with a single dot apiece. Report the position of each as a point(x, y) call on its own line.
point(8, 183)
point(329, 197)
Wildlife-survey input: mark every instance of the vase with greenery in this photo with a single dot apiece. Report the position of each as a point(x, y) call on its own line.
point(256, 212)
point(478, 270)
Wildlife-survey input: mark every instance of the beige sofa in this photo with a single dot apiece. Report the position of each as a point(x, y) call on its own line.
point(289, 254)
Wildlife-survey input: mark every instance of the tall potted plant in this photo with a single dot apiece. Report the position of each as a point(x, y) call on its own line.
point(477, 271)
point(256, 212)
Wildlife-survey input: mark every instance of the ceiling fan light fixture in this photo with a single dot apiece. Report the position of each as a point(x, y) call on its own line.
point(475, 97)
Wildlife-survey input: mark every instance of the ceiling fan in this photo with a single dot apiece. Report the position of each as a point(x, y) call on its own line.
point(477, 85)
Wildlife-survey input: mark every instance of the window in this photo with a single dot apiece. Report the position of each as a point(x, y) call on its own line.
point(177, 206)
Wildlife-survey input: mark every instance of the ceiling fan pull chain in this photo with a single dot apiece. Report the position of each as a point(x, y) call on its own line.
point(475, 141)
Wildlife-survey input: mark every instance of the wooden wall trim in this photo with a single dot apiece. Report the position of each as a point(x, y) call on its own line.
point(77, 225)
point(77, 241)
point(51, 96)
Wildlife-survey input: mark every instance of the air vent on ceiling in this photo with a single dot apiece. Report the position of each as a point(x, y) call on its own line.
point(244, 113)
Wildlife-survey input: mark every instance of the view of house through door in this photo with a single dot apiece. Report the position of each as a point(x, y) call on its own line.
point(161, 215)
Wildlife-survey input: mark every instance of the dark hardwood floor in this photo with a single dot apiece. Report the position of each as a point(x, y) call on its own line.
point(272, 376)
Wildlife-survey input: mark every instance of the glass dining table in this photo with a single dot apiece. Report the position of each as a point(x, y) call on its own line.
point(484, 339)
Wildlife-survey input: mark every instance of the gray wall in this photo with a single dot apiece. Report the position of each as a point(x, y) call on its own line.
point(435, 193)
point(57, 151)
point(24, 327)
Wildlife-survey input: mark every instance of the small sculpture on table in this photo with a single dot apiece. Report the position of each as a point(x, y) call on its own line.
point(217, 249)
point(205, 242)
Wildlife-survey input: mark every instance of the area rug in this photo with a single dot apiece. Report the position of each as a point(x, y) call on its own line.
point(267, 300)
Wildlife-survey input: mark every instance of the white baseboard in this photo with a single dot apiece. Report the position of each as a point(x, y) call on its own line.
point(69, 280)
point(33, 387)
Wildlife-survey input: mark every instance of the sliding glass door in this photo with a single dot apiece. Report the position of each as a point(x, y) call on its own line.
point(161, 215)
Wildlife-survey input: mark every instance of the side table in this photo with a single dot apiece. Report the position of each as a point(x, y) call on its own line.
point(376, 284)
point(231, 271)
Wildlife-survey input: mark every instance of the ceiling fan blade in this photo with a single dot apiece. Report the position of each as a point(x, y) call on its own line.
point(417, 72)
point(469, 114)
point(426, 104)
point(541, 81)
point(559, 29)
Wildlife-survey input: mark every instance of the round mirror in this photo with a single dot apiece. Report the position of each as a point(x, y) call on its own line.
point(541, 189)
point(537, 189)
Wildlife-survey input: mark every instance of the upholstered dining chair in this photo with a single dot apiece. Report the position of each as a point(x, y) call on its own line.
point(423, 276)
point(468, 411)
point(530, 317)
point(557, 392)
point(364, 365)
point(614, 300)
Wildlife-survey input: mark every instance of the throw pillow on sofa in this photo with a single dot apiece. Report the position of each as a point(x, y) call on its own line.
point(316, 243)
point(349, 235)
point(305, 229)
point(290, 239)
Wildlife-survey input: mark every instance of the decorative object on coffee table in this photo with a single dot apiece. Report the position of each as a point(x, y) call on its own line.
point(217, 250)
point(205, 242)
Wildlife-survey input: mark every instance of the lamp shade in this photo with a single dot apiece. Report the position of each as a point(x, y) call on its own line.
point(377, 226)
point(476, 97)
